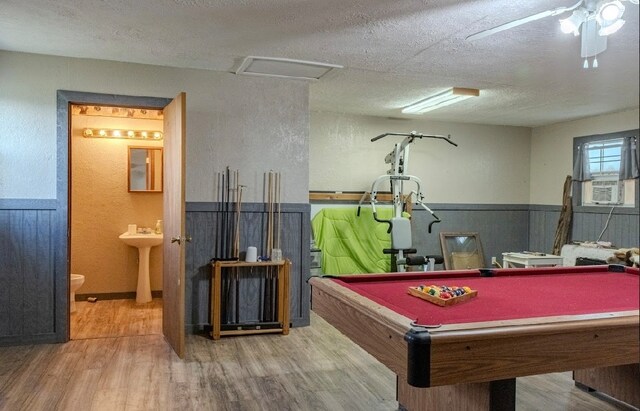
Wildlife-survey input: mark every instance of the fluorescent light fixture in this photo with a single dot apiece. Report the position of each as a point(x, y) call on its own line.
point(442, 99)
point(122, 134)
point(285, 68)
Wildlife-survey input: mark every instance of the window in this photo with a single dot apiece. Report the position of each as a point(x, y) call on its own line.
point(606, 169)
point(604, 166)
point(604, 157)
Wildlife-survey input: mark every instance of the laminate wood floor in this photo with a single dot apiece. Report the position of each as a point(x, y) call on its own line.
point(314, 368)
point(115, 318)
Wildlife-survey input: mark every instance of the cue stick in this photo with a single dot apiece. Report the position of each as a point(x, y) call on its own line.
point(222, 222)
point(216, 240)
point(273, 237)
point(234, 191)
point(227, 222)
point(274, 280)
point(278, 177)
point(238, 219)
point(225, 242)
point(236, 246)
point(269, 243)
point(270, 216)
point(263, 280)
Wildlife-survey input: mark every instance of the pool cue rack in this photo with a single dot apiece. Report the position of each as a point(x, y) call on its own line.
point(264, 268)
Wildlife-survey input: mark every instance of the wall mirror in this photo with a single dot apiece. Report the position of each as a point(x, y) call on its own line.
point(145, 169)
point(461, 251)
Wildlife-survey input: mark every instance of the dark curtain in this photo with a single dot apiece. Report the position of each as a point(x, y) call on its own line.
point(629, 159)
point(581, 165)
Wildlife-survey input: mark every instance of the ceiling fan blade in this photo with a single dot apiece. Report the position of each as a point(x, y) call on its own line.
point(522, 21)
point(592, 42)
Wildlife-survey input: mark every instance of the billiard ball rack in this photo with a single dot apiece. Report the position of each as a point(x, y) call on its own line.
point(443, 302)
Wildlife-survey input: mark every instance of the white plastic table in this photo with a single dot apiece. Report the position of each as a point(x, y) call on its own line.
point(529, 260)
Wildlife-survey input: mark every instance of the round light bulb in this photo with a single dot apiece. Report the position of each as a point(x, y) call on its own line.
point(156, 135)
point(610, 12)
point(144, 134)
point(116, 133)
point(130, 133)
point(102, 133)
point(567, 26)
point(611, 28)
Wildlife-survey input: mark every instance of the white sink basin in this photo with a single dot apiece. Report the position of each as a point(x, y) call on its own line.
point(143, 242)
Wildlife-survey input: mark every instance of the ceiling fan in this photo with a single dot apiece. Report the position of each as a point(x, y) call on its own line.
point(593, 19)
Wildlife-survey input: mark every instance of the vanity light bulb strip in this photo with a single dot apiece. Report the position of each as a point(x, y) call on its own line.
point(133, 134)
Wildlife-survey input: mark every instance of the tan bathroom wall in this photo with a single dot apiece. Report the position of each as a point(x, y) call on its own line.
point(102, 208)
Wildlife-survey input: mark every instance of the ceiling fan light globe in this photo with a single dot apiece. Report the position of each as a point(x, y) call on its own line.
point(572, 23)
point(568, 27)
point(606, 30)
point(610, 11)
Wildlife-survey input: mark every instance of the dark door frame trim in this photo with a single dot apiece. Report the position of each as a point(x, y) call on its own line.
point(61, 232)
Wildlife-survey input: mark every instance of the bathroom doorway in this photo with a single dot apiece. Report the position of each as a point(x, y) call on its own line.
point(116, 184)
point(173, 209)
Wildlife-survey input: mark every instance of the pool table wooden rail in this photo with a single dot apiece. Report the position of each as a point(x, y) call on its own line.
point(482, 351)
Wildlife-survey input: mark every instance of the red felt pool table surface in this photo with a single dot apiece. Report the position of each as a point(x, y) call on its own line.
point(509, 294)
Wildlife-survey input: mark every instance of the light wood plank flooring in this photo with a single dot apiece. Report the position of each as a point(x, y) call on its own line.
point(314, 368)
point(116, 318)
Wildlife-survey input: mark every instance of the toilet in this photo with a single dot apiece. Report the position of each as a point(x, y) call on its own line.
point(76, 282)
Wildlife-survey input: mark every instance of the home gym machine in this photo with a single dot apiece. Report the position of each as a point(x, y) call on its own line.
point(400, 226)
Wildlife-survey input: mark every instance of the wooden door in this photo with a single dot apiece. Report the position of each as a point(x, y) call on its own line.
point(174, 224)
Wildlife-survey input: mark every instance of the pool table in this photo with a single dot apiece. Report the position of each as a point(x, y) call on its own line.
point(522, 322)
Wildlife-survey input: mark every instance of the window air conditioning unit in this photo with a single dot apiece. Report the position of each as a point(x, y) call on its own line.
point(605, 191)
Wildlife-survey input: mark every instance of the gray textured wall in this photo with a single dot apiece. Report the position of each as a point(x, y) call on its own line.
point(587, 225)
point(248, 122)
point(501, 228)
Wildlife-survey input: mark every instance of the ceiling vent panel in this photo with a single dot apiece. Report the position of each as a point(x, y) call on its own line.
point(284, 68)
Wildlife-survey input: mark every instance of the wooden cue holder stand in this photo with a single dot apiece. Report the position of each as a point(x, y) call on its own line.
point(261, 268)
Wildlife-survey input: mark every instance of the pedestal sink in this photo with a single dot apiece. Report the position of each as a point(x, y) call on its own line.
point(143, 242)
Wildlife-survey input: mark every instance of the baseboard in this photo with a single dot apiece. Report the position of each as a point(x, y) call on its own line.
point(130, 295)
point(47, 338)
point(205, 329)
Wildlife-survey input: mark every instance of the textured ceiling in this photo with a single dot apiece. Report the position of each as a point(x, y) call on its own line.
point(394, 52)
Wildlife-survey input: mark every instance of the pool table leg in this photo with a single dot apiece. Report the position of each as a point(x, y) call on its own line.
point(621, 382)
point(495, 396)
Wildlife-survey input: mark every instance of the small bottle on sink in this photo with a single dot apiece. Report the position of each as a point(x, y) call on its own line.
point(159, 227)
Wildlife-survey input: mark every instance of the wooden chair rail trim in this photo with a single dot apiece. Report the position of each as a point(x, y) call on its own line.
point(355, 196)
